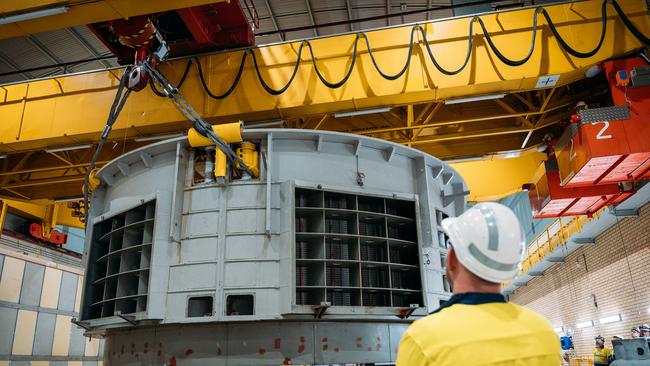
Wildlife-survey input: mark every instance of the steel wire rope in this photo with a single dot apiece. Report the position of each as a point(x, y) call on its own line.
point(179, 84)
point(118, 103)
point(198, 123)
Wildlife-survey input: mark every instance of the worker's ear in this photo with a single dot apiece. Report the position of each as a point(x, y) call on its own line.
point(452, 261)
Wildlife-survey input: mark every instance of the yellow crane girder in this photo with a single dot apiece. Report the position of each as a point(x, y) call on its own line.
point(80, 13)
point(72, 109)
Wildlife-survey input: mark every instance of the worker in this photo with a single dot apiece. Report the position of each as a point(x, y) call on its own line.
point(645, 330)
point(602, 354)
point(486, 249)
point(635, 332)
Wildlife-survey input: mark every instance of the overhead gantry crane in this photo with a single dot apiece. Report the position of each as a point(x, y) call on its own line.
point(493, 104)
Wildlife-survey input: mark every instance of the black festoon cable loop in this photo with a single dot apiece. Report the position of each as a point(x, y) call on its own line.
point(488, 37)
point(267, 87)
point(500, 55)
point(643, 39)
point(229, 91)
point(467, 55)
point(376, 65)
point(566, 46)
point(347, 75)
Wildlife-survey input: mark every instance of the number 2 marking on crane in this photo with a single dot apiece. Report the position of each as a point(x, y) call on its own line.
point(600, 135)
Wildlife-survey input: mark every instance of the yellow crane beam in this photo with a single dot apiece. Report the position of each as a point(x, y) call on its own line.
point(72, 109)
point(78, 12)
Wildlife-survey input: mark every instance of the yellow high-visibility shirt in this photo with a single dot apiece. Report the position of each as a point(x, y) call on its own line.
point(480, 329)
point(601, 356)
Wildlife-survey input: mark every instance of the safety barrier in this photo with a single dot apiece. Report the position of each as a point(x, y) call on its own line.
point(553, 236)
point(582, 361)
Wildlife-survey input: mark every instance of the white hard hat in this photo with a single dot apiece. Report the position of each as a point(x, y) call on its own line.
point(488, 241)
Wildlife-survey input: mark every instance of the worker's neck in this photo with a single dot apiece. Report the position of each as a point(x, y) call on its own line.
point(466, 283)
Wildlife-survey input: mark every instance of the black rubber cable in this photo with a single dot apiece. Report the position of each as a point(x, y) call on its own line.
point(500, 55)
point(180, 82)
point(417, 27)
point(566, 46)
point(347, 74)
point(198, 123)
point(628, 23)
point(374, 61)
point(232, 86)
point(470, 41)
point(267, 87)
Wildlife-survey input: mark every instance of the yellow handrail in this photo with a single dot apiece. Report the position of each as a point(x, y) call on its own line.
point(582, 361)
point(554, 235)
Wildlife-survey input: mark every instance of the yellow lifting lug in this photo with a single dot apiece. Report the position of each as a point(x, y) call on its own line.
point(93, 182)
point(228, 132)
point(247, 151)
point(220, 164)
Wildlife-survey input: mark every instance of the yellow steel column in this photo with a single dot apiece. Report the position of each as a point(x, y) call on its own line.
point(3, 214)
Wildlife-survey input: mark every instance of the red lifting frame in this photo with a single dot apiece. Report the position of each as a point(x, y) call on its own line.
point(549, 199)
point(612, 151)
point(56, 237)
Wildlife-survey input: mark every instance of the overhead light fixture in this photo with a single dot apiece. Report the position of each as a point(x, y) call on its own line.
point(611, 319)
point(4, 156)
point(34, 15)
point(463, 160)
point(506, 154)
point(158, 137)
point(477, 98)
point(68, 148)
point(68, 199)
point(265, 124)
point(523, 144)
point(558, 329)
point(362, 112)
point(587, 324)
point(593, 71)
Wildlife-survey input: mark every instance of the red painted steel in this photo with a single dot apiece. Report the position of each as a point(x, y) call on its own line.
point(610, 151)
point(549, 199)
point(187, 31)
point(56, 237)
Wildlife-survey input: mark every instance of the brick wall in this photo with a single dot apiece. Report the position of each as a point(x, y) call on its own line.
point(564, 294)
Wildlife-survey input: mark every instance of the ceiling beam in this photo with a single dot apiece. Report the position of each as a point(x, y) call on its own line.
point(45, 181)
point(388, 11)
point(41, 47)
point(349, 9)
point(84, 42)
point(311, 18)
point(15, 66)
point(274, 20)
